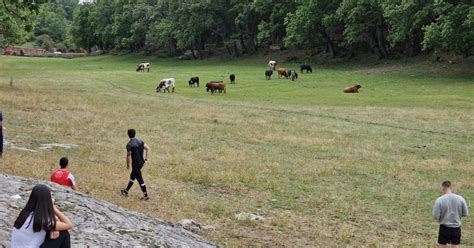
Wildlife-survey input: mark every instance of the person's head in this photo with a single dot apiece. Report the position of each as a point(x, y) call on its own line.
point(41, 204)
point(63, 162)
point(446, 185)
point(131, 133)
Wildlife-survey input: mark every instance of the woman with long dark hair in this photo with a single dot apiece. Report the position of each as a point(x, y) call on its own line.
point(38, 218)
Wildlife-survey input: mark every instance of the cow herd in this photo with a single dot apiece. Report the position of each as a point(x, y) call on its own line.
point(218, 86)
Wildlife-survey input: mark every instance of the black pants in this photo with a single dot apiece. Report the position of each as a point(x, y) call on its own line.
point(1, 140)
point(63, 241)
point(137, 174)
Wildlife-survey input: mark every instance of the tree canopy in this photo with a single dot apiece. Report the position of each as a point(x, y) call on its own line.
point(383, 27)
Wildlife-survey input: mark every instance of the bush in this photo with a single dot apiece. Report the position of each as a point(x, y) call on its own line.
point(45, 42)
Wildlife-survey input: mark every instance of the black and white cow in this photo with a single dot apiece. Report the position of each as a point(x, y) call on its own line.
point(272, 64)
point(143, 66)
point(192, 81)
point(166, 84)
point(293, 75)
point(268, 74)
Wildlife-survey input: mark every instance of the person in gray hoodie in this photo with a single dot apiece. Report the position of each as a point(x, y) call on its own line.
point(448, 210)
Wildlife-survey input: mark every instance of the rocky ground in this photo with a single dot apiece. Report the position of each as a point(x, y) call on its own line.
point(97, 223)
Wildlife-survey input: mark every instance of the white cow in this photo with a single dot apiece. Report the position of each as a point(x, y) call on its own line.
point(143, 66)
point(166, 84)
point(272, 64)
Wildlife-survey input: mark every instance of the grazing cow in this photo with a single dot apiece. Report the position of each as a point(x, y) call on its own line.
point(192, 81)
point(282, 73)
point(272, 64)
point(141, 67)
point(214, 86)
point(232, 78)
point(353, 89)
point(306, 67)
point(293, 75)
point(166, 84)
point(268, 74)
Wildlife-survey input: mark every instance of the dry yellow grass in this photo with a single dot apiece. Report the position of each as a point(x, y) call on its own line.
point(324, 175)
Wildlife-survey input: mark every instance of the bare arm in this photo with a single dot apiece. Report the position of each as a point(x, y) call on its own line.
point(129, 159)
point(63, 223)
point(146, 150)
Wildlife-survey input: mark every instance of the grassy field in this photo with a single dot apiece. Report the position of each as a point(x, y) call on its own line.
point(326, 168)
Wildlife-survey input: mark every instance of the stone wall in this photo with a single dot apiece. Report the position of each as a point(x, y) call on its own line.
point(97, 223)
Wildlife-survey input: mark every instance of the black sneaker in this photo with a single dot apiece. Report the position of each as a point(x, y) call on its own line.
point(124, 192)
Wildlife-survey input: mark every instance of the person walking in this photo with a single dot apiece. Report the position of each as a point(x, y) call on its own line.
point(448, 210)
point(1, 135)
point(63, 176)
point(137, 156)
point(41, 223)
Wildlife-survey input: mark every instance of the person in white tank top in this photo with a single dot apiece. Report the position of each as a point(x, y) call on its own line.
point(40, 222)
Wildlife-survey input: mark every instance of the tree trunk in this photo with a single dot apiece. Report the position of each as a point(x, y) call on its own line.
point(192, 53)
point(381, 43)
point(374, 46)
point(229, 51)
point(242, 43)
point(329, 44)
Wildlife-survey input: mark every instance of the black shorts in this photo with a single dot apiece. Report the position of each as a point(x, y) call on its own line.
point(449, 235)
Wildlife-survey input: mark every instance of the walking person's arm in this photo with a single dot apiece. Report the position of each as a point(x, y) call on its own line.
point(146, 151)
point(436, 211)
point(465, 211)
point(129, 159)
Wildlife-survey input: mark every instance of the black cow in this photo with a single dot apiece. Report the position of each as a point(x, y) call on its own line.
point(307, 68)
point(193, 80)
point(232, 78)
point(268, 74)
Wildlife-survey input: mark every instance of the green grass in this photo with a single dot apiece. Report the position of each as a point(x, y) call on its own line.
point(327, 168)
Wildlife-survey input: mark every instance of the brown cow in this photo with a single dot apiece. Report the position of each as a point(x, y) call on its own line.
point(282, 73)
point(213, 86)
point(353, 89)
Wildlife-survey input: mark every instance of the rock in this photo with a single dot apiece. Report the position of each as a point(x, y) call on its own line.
point(249, 216)
point(15, 198)
point(53, 145)
point(96, 223)
point(195, 226)
point(190, 225)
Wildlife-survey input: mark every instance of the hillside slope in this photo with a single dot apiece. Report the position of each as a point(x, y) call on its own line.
point(97, 223)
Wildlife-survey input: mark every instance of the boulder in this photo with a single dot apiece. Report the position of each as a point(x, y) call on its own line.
point(96, 223)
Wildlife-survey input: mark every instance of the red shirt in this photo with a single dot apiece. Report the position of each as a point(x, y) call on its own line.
point(63, 177)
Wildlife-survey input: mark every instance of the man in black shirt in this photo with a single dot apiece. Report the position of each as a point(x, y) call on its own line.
point(1, 135)
point(137, 156)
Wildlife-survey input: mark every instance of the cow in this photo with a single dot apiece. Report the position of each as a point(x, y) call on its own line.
point(214, 86)
point(268, 74)
point(306, 67)
point(192, 81)
point(166, 84)
point(272, 64)
point(353, 89)
point(282, 73)
point(293, 75)
point(141, 67)
point(232, 78)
